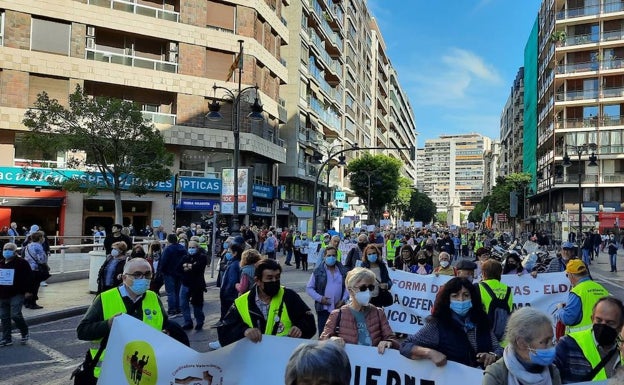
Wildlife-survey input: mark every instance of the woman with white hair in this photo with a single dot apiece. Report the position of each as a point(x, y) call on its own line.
point(318, 363)
point(528, 358)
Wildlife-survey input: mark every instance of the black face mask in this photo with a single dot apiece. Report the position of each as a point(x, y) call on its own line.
point(362, 245)
point(422, 261)
point(604, 334)
point(271, 288)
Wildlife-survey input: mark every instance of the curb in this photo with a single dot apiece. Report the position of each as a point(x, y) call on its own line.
point(67, 313)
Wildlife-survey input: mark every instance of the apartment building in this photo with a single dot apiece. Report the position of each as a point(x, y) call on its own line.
point(491, 166)
point(342, 91)
point(512, 129)
point(453, 170)
point(578, 98)
point(164, 55)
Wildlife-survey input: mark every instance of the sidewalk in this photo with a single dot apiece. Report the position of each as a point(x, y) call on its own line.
point(67, 298)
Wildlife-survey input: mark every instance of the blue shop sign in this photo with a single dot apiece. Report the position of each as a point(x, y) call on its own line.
point(38, 176)
point(263, 191)
point(191, 184)
point(197, 204)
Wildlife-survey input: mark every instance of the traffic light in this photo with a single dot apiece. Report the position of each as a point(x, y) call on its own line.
point(413, 153)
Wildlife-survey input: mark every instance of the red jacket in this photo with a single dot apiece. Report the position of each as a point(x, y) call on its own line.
point(376, 323)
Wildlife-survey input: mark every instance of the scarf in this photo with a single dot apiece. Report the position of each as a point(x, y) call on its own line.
point(518, 374)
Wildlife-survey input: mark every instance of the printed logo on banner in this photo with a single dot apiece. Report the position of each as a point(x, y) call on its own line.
point(139, 363)
point(198, 374)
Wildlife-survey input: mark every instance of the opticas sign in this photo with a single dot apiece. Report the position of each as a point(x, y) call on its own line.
point(35, 176)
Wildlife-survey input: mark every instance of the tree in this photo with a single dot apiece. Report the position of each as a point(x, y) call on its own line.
point(404, 194)
point(421, 208)
point(123, 150)
point(441, 217)
point(476, 215)
point(499, 200)
point(383, 172)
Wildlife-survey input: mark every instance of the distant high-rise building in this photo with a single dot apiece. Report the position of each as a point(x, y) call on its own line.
point(512, 129)
point(454, 168)
point(491, 166)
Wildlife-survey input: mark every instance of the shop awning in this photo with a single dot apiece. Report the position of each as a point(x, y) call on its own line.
point(31, 202)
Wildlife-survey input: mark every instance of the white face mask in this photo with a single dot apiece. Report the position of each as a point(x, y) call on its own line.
point(363, 297)
point(444, 264)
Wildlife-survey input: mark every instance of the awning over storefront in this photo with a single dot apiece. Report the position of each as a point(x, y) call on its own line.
point(31, 202)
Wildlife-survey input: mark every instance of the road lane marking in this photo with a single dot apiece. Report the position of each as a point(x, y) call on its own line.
point(48, 351)
point(17, 365)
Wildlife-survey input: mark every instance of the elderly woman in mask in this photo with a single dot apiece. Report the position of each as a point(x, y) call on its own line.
point(360, 322)
point(457, 330)
point(371, 259)
point(528, 358)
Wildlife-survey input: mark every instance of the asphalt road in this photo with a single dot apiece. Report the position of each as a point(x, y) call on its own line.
point(54, 351)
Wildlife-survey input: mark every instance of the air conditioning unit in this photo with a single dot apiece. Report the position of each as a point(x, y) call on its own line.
point(90, 43)
point(173, 46)
point(90, 31)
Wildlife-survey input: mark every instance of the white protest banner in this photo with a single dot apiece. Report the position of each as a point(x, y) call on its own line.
point(315, 253)
point(415, 294)
point(164, 361)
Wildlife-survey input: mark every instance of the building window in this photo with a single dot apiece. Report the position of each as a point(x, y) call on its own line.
point(26, 156)
point(50, 36)
point(221, 16)
point(2, 27)
point(204, 163)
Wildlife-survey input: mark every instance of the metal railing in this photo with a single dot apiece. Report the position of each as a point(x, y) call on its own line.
point(159, 117)
point(131, 61)
point(38, 163)
point(132, 7)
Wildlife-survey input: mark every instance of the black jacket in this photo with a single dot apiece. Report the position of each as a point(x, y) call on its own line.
point(233, 327)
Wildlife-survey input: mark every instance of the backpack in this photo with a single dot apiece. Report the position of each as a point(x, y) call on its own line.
point(498, 312)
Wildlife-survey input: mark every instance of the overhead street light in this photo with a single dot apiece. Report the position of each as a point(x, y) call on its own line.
point(214, 114)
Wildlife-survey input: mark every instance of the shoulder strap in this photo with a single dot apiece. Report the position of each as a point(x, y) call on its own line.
point(590, 376)
point(279, 314)
point(506, 299)
point(337, 327)
point(97, 356)
point(489, 290)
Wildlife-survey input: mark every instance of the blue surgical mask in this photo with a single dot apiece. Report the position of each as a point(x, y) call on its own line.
point(8, 254)
point(330, 261)
point(115, 252)
point(140, 285)
point(228, 256)
point(372, 258)
point(461, 308)
point(543, 357)
point(192, 250)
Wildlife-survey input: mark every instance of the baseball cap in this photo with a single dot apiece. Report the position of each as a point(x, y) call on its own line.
point(465, 264)
point(575, 266)
point(238, 240)
point(567, 245)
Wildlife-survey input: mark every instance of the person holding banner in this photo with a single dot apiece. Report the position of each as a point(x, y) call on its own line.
point(577, 311)
point(457, 330)
point(592, 354)
point(528, 359)
point(372, 260)
point(268, 308)
point(360, 322)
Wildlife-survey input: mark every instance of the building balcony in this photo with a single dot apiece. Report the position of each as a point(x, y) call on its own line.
point(130, 60)
point(578, 67)
point(570, 13)
point(139, 9)
point(307, 169)
point(606, 121)
point(592, 179)
point(159, 118)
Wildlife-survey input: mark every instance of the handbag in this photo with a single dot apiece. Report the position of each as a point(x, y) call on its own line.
point(44, 271)
point(83, 374)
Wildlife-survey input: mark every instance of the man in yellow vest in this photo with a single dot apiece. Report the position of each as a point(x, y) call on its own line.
point(268, 308)
point(392, 245)
point(132, 298)
point(592, 354)
point(576, 312)
point(492, 290)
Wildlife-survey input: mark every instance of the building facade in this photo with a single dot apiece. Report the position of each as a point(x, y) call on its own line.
point(578, 101)
point(512, 128)
point(165, 56)
point(453, 170)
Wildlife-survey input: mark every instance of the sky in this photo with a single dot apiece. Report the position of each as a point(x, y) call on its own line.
point(456, 59)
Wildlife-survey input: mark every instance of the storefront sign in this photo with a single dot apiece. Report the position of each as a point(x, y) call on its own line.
point(197, 204)
point(262, 209)
point(200, 185)
point(263, 191)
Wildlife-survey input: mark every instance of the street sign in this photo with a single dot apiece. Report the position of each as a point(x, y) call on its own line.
point(336, 212)
point(502, 217)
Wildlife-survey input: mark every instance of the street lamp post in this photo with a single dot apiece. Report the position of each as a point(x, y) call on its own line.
point(588, 147)
point(368, 195)
point(255, 114)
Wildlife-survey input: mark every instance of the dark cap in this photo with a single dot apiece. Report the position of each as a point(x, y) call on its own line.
point(465, 264)
point(238, 240)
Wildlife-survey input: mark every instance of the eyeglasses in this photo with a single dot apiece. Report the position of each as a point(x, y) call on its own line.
point(365, 287)
point(140, 274)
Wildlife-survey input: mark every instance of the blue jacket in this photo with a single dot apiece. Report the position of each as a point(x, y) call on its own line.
point(171, 259)
point(231, 276)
